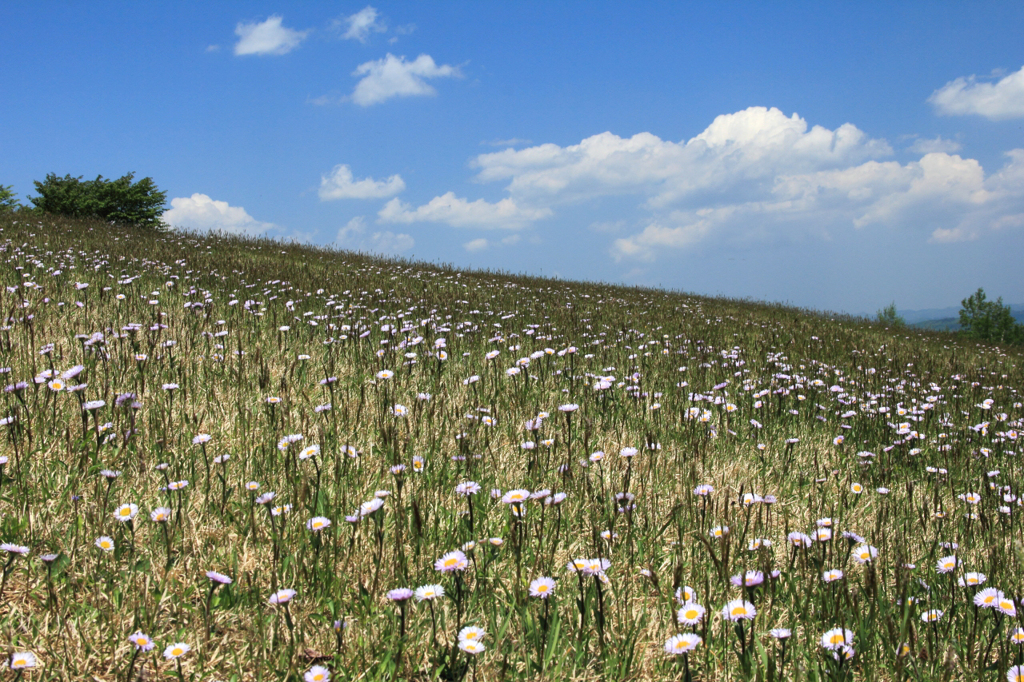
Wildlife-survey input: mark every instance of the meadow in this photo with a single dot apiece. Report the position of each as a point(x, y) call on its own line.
point(237, 459)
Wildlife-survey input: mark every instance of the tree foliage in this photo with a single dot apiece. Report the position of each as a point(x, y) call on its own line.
point(8, 200)
point(889, 317)
point(988, 321)
point(120, 200)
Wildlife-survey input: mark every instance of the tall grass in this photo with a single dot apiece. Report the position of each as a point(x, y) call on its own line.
point(646, 450)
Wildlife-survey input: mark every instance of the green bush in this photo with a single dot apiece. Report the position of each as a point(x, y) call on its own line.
point(119, 201)
point(889, 317)
point(8, 200)
point(988, 321)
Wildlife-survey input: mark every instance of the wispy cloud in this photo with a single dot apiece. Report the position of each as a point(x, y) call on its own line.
point(457, 212)
point(937, 145)
point(997, 101)
point(393, 76)
point(360, 25)
point(267, 37)
point(354, 236)
point(341, 184)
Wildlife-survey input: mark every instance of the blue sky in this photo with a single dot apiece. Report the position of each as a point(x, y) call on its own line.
point(830, 155)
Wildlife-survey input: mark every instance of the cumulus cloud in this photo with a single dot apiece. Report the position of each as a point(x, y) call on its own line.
point(268, 37)
point(997, 101)
point(737, 154)
point(475, 245)
point(928, 146)
point(456, 212)
point(354, 236)
point(360, 25)
point(200, 212)
point(395, 77)
point(340, 184)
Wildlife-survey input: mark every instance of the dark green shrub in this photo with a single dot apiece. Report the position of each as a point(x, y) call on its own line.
point(119, 201)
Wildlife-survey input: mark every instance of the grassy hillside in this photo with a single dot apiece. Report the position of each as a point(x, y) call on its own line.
point(253, 449)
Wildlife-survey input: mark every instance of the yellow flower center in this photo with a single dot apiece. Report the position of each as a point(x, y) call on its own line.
point(739, 611)
point(542, 588)
point(836, 639)
point(177, 651)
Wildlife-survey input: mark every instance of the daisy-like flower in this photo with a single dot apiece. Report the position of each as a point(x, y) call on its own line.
point(202, 438)
point(748, 579)
point(1007, 607)
point(318, 523)
point(472, 646)
point(542, 587)
point(160, 515)
point(719, 531)
point(385, 374)
point(1017, 636)
point(309, 451)
point(758, 543)
point(472, 633)
point(429, 592)
point(467, 488)
point(856, 488)
point(515, 496)
point(931, 615)
point(822, 534)
point(947, 564)
point(781, 633)
point(832, 576)
point(219, 578)
point(12, 548)
point(317, 673)
point(126, 512)
point(370, 506)
point(837, 638)
point(266, 498)
point(704, 490)
point(400, 594)
point(988, 598)
point(798, 539)
point(691, 614)
point(282, 597)
point(863, 554)
point(176, 651)
point(972, 579)
point(105, 543)
point(22, 660)
point(452, 561)
point(738, 609)
point(682, 644)
point(142, 641)
point(1015, 674)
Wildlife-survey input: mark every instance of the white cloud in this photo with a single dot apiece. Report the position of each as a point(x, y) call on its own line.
point(362, 23)
point(268, 37)
point(995, 101)
point(200, 212)
point(341, 185)
point(475, 245)
point(738, 153)
point(395, 77)
point(928, 146)
point(353, 236)
point(456, 212)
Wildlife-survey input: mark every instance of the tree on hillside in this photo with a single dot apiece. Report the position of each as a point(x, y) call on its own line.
point(8, 200)
point(119, 201)
point(988, 321)
point(888, 316)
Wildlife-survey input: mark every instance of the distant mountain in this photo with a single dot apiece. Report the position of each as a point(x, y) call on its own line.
point(946, 319)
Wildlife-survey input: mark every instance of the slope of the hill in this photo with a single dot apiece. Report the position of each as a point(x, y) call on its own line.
point(263, 451)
